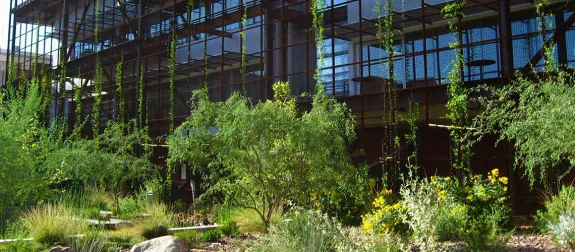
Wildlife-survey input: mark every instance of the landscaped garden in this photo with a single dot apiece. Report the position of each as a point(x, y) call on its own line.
point(276, 177)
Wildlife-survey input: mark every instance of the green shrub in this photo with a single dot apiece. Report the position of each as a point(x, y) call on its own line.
point(190, 237)
point(130, 206)
point(229, 228)
point(211, 236)
point(53, 224)
point(485, 233)
point(555, 205)
point(20, 246)
point(451, 221)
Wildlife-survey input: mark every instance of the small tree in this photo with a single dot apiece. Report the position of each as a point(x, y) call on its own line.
point(270, 154)
point(537, 115)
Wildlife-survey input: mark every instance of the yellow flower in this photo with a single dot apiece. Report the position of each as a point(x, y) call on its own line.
point(503, 180)
point(379, 202)
point(442, 194)
point(447, 178)
point(396, 206)
point(495, 172)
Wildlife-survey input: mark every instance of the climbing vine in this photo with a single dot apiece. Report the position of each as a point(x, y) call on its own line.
point(244, 48)
point(544, 24)
point(120, 89)
point(172, 71)
point(317, 23)
point(457, 93)
point(390, 142)
point(141, 98)
point(97, 98)
point(98, 79)
point(78, 90)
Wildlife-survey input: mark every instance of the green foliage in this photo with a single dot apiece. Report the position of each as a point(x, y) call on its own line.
point(53, 224)
point(556, 205)
point(21, 148)
point(211, 236)
point(536, 114)
point(109, 160)
point(266, 153)
point(229, 228)
point(349, 199)
point(190, 237)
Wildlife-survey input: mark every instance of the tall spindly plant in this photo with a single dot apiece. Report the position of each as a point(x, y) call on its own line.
point(457, 93)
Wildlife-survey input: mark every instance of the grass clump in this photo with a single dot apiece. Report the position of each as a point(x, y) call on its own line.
point(248, 220)
point(555, 205)
point(211, 236)
point(190, 237)
point(229, 228)
point(53, 224)
point(159, 220)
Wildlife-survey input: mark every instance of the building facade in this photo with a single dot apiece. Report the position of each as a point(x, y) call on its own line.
point(499, 37)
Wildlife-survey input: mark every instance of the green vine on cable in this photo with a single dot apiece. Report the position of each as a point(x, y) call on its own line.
point(78, 90)
point(244, 48)
point(120, 89)
point(141, 98)
point(172, 71)
point(457, 94)
point(317, 8)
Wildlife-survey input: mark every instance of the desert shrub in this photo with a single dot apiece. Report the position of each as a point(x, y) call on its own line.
point(211, 236)
point(302, 230)
point(473, 210)
point(564, 231)
point(229, 228)
point(421, 202)
point(555, 206)
point(190, 237)
point(53, 224)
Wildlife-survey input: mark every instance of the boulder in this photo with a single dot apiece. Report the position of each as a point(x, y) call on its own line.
point(161, 244)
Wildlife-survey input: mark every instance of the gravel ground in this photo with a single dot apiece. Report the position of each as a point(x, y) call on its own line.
point(517, 242)
point(531, 242)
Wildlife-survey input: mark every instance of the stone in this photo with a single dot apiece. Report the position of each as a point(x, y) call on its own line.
point(61, 249)
point(161, 244)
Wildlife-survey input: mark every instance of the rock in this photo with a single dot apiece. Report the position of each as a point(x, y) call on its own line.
point(161, 244)
point(61, 249)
